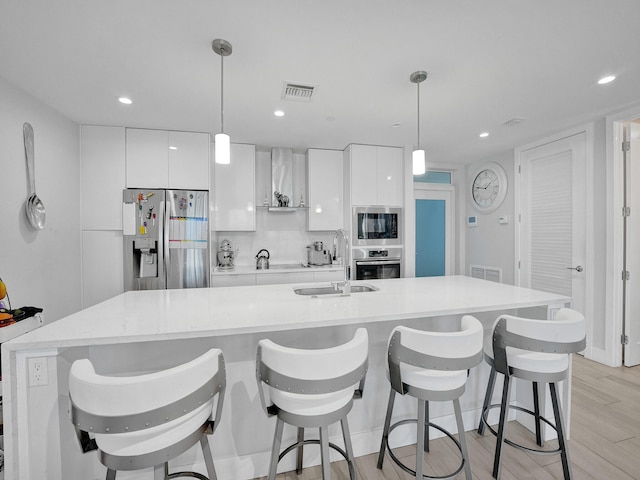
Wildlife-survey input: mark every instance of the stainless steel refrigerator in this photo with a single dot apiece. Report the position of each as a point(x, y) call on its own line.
point(166, 239)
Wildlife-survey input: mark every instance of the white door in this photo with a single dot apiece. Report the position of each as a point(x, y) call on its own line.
point(631, 316)
point(552, 233)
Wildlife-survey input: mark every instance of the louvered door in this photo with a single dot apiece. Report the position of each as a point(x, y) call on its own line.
point(553, 222)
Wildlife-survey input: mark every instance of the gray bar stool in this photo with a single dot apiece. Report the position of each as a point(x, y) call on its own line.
point(431, 366)
point(143, 421)
point(312, 388)
point(537, 351)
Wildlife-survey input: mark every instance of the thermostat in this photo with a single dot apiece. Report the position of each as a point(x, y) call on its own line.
point(472, 221)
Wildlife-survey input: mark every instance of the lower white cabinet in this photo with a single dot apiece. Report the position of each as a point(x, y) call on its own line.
point(102, 270)
point(332, 276)
point(231, 280)
point(276, 278)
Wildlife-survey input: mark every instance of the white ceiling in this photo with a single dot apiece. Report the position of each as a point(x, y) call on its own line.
point(488, 61)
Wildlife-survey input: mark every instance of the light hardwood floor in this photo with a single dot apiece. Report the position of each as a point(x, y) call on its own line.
point(604, 445)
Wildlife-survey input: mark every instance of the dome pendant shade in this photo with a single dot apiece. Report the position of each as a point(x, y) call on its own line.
point(222, 140)
point(223, 149)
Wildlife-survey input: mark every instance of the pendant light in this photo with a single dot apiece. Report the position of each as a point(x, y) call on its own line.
point(419, 161)
point(222, 141)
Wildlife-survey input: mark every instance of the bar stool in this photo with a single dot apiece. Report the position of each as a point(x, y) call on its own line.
point(143, 421)
point(537, 351)
point(311, 388)
point(431, 366)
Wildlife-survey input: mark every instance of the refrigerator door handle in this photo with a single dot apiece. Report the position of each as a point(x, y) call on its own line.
point(165, 240)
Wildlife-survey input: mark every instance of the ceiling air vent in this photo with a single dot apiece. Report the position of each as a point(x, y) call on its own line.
point(514, 122)
point(297, 91)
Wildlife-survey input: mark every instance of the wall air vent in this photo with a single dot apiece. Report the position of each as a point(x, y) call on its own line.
point(514, 122)
point(298, 91)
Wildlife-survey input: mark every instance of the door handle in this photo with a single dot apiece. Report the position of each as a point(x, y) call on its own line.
point(577, 269)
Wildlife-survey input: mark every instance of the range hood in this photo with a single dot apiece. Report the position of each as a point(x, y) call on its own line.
point(282, 177)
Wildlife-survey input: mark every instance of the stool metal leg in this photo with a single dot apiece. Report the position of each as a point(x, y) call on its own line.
point(564, 452)
point(385, 431)
point(421, 437)
point(111, 475)
point(487, 400)
point(462, 439)
point(536, 413)
point(275, 450)
point(324, 452)
point(349, 448)
point(300, 452)
point(426, 426)
point(504, 409)
point(159, 472)
point(208, 458)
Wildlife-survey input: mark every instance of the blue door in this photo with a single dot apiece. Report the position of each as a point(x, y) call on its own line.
point(430, 238)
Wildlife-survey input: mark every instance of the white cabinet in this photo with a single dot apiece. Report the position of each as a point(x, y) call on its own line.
point(325, 189)
point(102, 271)
point(278, 278)
point(235, 192)
point(330, 276)
point(163, 159)
point(375, 175)
point(102, 150)
point(231, 280)
point(189, 160)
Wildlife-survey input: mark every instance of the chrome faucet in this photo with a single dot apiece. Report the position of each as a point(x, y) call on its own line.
point(345, 284)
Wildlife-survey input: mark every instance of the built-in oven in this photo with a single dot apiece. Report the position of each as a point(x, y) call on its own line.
point(373, 264)
point(376, 226)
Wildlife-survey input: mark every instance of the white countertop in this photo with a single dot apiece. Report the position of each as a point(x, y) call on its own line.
point(283, 268)
point(189, 313)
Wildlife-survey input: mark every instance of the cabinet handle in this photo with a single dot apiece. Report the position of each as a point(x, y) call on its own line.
point(577, 269)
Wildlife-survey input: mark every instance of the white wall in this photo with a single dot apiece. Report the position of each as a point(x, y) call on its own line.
point(40, 267)
point(490, 243)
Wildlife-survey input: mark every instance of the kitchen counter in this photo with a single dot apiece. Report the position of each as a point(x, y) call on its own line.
point(277, 268)
point(138, 329)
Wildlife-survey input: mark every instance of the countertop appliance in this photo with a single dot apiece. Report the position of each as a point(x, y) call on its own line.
point(225, 255)
point(262, 260)
point(377, 226)
point(372, 264)
point(166, 239)
point(318, 255)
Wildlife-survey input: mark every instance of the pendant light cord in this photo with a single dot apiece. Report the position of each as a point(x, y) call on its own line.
point(418, 87)
point(222, 93)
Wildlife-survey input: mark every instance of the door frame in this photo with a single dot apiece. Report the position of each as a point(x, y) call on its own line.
point(612, 355)
point(447, 193)
point(588, 130)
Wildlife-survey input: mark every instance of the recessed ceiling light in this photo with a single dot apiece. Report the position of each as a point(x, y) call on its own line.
point(484, 135)
point(171, 147)
point(279, 113)
point(607, 79)
point(125, 100)
point(395, 125)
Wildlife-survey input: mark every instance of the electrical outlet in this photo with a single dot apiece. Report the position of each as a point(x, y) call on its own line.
point(38, 371)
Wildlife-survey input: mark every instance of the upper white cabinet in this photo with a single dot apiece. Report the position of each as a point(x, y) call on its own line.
point(235, 190)
point(163, 159)
point(324, 189)
point(102, 150)
point(189, 160)
point(375, 175)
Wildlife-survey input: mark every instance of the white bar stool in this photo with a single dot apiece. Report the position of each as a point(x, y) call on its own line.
point(143, 421)
point(311, 388)
point(537, 351)
point(431, 366)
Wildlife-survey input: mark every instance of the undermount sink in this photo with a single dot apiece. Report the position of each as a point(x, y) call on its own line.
point(330, 290)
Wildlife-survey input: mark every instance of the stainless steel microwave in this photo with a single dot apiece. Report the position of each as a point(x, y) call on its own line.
point(376, 226)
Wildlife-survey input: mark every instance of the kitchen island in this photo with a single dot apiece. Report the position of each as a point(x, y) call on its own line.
point(140, 331)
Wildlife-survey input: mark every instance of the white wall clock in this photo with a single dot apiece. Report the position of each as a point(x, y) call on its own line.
point(489, 187)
